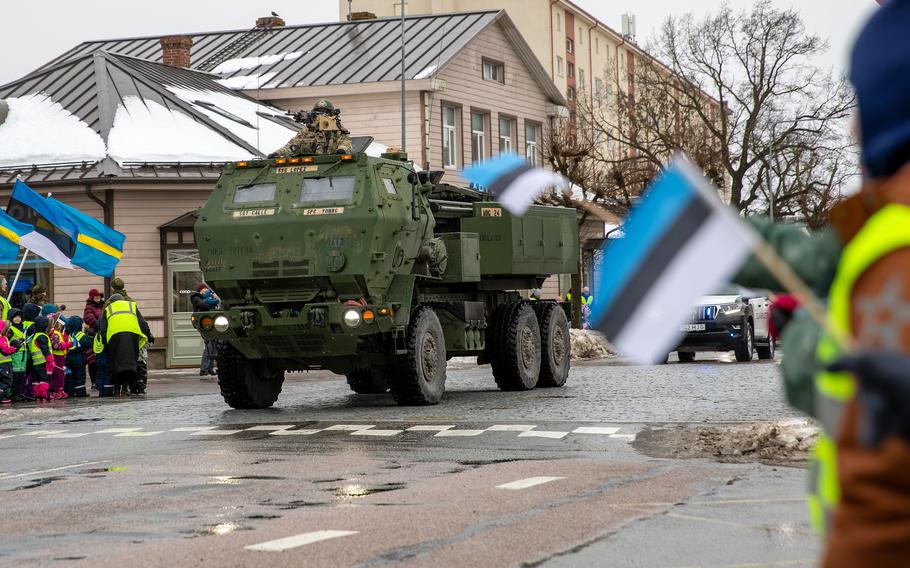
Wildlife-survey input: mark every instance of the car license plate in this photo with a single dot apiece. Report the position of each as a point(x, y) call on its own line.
point(693, 327)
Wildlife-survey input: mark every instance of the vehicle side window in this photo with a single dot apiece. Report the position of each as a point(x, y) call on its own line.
point(389, 186)
point(338, 189)
point(255, 193)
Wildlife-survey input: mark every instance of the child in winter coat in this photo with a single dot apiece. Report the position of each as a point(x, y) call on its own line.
point(40, 361)
point(74, 384)
point(20, 357)
point(6, 364)
point(60, 344)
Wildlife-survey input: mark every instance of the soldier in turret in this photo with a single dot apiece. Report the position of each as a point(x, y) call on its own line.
point(322, 133)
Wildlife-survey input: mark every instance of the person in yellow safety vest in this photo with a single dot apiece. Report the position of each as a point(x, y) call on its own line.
point(124, 332)
point(20, 362)
point(40, 365)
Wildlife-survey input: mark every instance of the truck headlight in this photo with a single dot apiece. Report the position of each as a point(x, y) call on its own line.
point(351, 318)
point(731, 309)
point(222, 323)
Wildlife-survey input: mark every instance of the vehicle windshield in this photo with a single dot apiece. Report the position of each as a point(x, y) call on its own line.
point(254, 193)
point(338, 189)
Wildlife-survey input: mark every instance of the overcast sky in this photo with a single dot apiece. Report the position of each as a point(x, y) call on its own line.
point(35, 33)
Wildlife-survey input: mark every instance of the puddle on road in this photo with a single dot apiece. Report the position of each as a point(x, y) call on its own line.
point(236, 479)
point(219, 529)
point(356, 490)
point(68, 557)
point(37, 483)
point(261, 517)
point(291, 505)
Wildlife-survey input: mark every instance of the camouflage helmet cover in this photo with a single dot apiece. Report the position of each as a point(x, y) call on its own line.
point(323, 105)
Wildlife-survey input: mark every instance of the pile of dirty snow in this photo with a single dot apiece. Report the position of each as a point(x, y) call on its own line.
point(587, 344)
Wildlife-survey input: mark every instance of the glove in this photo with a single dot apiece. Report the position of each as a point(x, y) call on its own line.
point(272, 155)
point(884, 393)
point(341, 151)
point(16, 343)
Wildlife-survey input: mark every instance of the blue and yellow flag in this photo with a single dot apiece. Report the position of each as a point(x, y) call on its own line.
point(11, 231)
point(98, 247)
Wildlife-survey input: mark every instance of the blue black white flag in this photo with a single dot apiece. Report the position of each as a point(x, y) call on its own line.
point(53, 235)
point(513, 181)
point(98, 247)
point(12, 233)
point(680, 242)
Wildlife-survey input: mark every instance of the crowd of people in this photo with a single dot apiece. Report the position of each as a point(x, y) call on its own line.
point(46, 354)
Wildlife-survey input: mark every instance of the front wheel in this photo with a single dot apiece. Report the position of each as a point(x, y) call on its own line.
point(766, 352)
point(419, 377)
point(746, 349)
point(555, 344)
point(516, 366)
point(247, 383)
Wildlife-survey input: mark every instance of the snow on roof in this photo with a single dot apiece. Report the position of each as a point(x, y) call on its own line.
point(145, 131)
point(39, 130)
point(243, 117)
point(427, 72)
point(234, 65)
point(242, 82)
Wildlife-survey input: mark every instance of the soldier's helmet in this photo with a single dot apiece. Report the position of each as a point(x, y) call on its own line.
point(324, 106)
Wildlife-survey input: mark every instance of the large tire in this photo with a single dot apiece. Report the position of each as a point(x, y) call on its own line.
point(555, 344)
point(246, 383)
point(516, 366)
point(746, 349)
point(419, 378)
point(766, 352)
point(686, 356)
point(368, 381)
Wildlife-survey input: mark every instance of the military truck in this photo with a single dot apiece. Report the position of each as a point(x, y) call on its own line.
point(365, 267)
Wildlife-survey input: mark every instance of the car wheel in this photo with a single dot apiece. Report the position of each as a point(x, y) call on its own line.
point(766, 352)
point(746, 350)
point(685, 356)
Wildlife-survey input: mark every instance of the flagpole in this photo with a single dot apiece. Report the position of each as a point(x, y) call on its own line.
point(16, 279)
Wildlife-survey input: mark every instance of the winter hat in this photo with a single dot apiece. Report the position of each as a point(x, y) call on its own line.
point(30, 311)
point(73, 324)
point(118, 285)
point(94, 292)
point(39, 325)
point(49, 309)
point(880, 73)
point(201, 286)
point(13, 312)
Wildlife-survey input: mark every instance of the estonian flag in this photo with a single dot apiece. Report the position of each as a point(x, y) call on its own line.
point(680, 242)
point(53, 236)
point(11, 234)
point(98, 247)
point(513, 181)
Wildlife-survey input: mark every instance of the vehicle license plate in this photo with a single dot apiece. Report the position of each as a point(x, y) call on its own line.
point(693, 327)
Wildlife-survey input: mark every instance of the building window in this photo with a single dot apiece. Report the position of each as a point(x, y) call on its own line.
point(558, 22)
point(506, 135)
point(493, 71)
point(531, 136)
point(598, 87)
point(570, 93)
point(449, 137)
point(559, 65)
point(479, 149)
point(581, 76)
point(596, 44)
point(570, 45)
point(570, 69)
point(581, 36)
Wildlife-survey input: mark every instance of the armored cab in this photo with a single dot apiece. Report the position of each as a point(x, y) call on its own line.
point(364, 267)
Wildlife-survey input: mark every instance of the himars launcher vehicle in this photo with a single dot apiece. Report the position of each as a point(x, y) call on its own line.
point(364, 267)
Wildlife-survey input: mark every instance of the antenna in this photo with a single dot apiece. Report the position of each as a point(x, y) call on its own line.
point(628, 26)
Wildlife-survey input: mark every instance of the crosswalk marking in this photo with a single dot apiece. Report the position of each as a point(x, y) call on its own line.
point(376, 432)
point(543, 434)
point(297, 540)
point(193, 429)
point(117, 430)
point(302, 432)
point(623, 436)
point(216, 433)
point(528, 482)
point(64, 435)
point(270, 427)
point(430, 428)
point(137, 434)
point(44, 432)
point(595, 430)
point(454, 433)
point(350, 427)
point(511, 428)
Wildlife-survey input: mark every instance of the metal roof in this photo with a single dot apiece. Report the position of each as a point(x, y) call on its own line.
point(337, 53)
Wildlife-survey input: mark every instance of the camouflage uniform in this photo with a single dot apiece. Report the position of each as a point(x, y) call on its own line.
point(312, 140)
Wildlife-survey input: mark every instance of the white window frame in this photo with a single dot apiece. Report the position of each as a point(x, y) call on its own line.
point(497, 71)
point(507, 143)
point(532, 148)
point(479, 136)
point(570, 45)
point(450, 139)
point(559, 66)
point(598, 87)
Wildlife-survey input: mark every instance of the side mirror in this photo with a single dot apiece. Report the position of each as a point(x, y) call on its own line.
point(424, 177)
point(436, 176)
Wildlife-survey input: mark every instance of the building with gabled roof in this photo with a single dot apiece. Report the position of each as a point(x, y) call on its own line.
point(134, 131)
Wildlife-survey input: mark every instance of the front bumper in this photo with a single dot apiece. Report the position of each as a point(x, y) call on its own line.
point(718, 335)
point(316, 331)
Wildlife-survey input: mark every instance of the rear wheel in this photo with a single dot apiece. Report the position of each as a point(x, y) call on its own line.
point(246, 383)
point(555, 344)
point(746, 349)
point(516, 365)
point(419, 377)
point(368, 381)
point(685, 356)
point(766, 352)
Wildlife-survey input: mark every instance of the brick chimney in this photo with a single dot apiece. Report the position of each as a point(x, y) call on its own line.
point(177, 50)
point(269, 22)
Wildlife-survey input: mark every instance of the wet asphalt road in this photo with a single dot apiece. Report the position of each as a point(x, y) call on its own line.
point(547, 477)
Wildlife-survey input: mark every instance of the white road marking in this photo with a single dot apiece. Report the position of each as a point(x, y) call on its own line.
point(215, 432)
point(117, 430)
point(529, 482)
point(194, 429)
point(304, 432)
point(351, 427)
point(270, 427)
point(70, 435)
point(511, 428)
point(376, 432)
point(543, 434)
point(137, 434)
point(453, 433)
point(431, 428)
point(297, 540)
point(623, 436)
point(43, 432)
point(61, 468)
point(595, 430)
